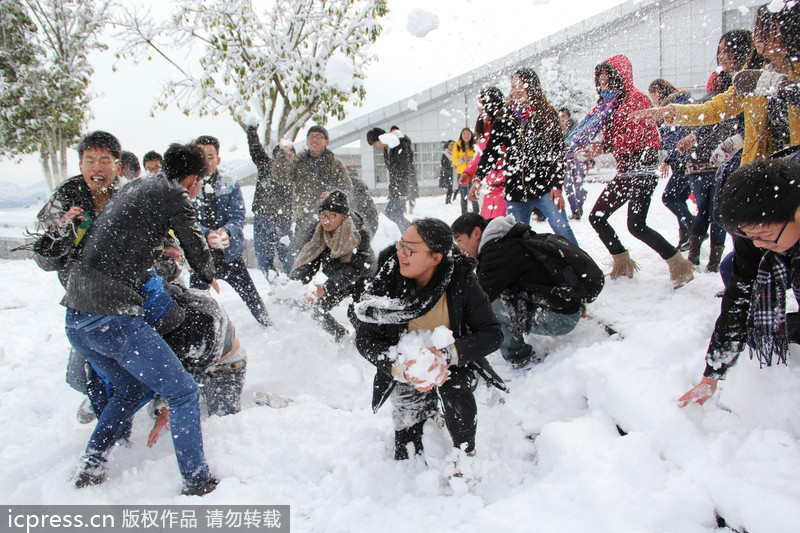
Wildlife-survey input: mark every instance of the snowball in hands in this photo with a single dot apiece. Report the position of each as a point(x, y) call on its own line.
point(413, 347)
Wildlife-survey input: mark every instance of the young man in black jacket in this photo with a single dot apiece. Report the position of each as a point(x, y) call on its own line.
point(105, 322)
point(521, 292)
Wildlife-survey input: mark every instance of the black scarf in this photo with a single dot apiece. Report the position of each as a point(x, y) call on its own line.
point(392, 299)
point(766, 322)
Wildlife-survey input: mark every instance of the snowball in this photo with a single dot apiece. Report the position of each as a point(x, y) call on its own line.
point(420, 23)
point(415, 346)
point(286, 143)
point(251, 120)
point(389, 139)
point(339, 71)
point(412, 105)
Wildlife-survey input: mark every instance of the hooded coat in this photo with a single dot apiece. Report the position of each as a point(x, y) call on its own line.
point(625, 138)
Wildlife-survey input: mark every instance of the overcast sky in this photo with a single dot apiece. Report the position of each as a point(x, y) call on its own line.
point(470, 33)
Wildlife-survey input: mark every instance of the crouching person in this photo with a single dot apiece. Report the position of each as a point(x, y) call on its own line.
point(421, 285)
point(537, 283)
point(339, 247)
point(104, 320)
point(206, 344)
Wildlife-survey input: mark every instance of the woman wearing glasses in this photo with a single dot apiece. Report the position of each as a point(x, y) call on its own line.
point(338, 247)
point(421, 284)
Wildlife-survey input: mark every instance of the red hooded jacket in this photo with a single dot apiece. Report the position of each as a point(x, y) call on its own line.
point(623, 136)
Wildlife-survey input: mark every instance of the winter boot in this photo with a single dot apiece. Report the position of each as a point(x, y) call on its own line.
point(695, 242)
point(203, 489)
point(623, 265)
point(680, 270)
point(406, 436)
point(715, 257)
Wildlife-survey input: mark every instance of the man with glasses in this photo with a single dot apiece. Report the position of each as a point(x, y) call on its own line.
point(313, 174)
point(760, 205)
point(221, 213)
point(339, 247)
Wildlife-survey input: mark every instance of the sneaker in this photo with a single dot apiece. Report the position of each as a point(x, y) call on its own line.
point(85, 414)
point(88, 479)
point(203, 489)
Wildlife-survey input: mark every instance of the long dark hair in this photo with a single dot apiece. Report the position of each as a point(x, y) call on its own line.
point(785, 22)
point(470, 144)
point(739, 44)
point(662, 88)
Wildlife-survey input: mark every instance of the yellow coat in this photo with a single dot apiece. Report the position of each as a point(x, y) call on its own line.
point(458, 153)
point(758, 141)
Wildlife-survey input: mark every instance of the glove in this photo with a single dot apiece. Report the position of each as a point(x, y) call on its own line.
point(726, 150)
point(219, 239)
point(758, 82)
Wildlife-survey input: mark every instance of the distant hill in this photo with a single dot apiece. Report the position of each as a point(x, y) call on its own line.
point(14, 196)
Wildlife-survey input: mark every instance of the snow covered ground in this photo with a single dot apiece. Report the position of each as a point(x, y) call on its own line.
point(551, 457)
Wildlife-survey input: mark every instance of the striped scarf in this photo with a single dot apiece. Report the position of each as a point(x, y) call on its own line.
point(766, 322)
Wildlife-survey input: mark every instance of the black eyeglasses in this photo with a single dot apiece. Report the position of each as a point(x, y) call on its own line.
point(740, 233)
point(408, 251)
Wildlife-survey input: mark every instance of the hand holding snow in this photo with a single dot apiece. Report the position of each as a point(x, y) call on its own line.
point(418, 352)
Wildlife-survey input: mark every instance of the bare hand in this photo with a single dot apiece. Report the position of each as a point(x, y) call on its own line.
point(700, 393)
point(654, 114)
point(686, 143)
point(557, 198)
point(591, 151)
point(173, 252)
point(71, 213)
point(162, 420)
point(215, 285)
point(665, 168)
point(439, 367)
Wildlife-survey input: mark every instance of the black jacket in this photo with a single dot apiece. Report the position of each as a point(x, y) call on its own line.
point(124, 242)
point(55, 249)
point(400, 162)
point(475, 328)
point(343, 278)
point(505, 264)
point(272, 199)
point(534, 154)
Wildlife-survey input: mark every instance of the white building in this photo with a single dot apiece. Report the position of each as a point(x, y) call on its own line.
point(671, 39)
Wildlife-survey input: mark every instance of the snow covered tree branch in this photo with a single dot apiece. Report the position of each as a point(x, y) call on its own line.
point(287, 63)
point(44, 77)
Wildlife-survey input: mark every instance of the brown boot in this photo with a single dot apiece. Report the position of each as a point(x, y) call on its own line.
point(623, 265)
point(680, 270)
point(715, 257)
point(695, 242)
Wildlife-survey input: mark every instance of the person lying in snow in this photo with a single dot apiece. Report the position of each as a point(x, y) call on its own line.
point(422, 284)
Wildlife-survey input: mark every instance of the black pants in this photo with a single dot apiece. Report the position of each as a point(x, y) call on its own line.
point(635, 188)
point(412, 408)
point(236, 274)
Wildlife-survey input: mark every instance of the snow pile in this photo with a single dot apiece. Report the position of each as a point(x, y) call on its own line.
point(590, 439)
point(420, 22)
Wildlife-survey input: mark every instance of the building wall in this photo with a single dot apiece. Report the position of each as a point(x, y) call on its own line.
point(671, 39)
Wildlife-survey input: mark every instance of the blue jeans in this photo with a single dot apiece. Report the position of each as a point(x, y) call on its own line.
point(135, 359)
point(704, 188)
point(675, 195)
point(547, 323)
point(267, 235)
point(573, 185)
point(395, 211)
point(463, 190)
point(556, 217)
